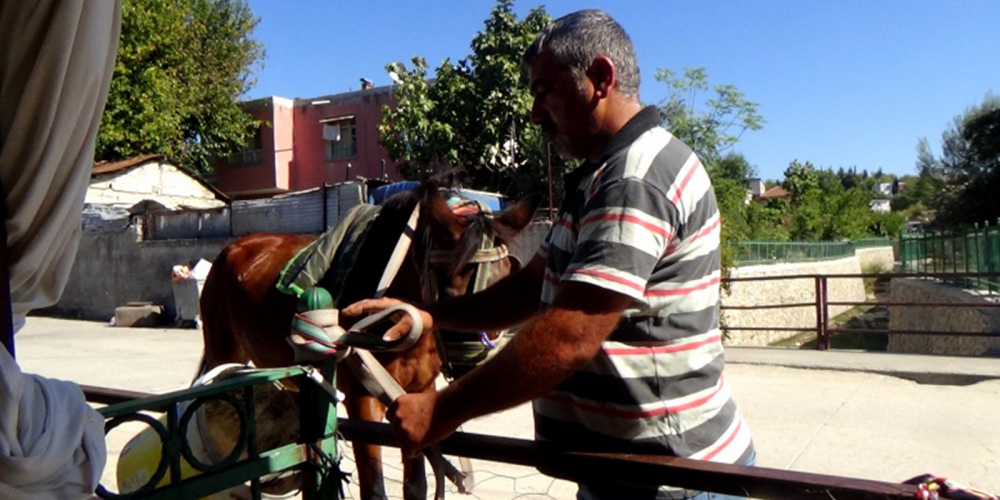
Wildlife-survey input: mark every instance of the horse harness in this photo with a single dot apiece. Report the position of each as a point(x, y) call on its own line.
point(460, 352)
point(316, 334)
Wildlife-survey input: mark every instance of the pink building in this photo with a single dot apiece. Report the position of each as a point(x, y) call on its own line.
point(305, 143)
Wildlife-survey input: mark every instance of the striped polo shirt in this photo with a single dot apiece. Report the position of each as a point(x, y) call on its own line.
point(643, 222)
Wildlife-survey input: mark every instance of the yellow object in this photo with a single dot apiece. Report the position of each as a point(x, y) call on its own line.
point(141, 456)
point(139, 459)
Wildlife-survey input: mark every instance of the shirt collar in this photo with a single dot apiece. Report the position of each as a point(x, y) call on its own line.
point(639, 124)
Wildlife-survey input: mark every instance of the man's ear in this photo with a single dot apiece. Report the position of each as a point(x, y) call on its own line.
point(603, 75)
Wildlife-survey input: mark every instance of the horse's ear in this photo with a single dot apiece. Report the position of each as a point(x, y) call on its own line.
point(443, 222)
point(518, 216)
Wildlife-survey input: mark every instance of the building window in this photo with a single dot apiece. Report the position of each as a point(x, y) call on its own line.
point(340, 138)
point(252, 152)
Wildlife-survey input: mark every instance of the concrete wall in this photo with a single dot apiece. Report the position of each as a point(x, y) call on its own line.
point(786, 292)
point(962, 319)
point(112, 269)
point(883, 257)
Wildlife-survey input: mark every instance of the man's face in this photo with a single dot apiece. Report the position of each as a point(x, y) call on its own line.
point(562, 106)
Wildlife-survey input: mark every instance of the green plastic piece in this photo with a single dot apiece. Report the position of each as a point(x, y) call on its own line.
point(315, 298)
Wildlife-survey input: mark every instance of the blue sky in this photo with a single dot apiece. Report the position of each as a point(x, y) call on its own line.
point(840, 83)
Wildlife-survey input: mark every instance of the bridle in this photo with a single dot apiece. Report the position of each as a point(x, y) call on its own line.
point(490, 251)
point(311, 337)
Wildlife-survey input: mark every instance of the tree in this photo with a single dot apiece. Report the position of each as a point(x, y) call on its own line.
point(475, 113)
point(887, 224)
point(831, 214)
point(800, 178)
point(733, 166)
point(966, 178)
point(711, 127)
point(182, 66)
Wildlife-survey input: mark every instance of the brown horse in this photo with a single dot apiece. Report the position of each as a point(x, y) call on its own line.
point(245, 318)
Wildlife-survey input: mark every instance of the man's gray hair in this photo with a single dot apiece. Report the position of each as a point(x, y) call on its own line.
point(576, 39)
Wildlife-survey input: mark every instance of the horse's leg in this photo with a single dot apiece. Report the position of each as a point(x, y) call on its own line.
point(415, 479)
point(368, 457)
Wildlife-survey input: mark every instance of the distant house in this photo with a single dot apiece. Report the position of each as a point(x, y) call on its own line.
point(883, 188)
point(880, 205)
point(777, 192)
point(756, 187)
point(150, 178)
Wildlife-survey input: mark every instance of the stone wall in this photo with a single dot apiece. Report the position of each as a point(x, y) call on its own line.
point(788, 291)
point(959, 319)
point(883, 257)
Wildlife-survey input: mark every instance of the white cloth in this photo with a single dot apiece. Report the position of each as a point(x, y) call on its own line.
point(51, 442)
point(56, 61)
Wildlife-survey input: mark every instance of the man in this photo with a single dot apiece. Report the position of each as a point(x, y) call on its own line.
point(621, 349)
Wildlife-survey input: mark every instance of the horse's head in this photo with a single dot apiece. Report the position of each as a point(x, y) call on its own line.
point(461, 247)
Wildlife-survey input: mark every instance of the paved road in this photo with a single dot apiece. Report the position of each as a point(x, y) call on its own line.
point(840, 413)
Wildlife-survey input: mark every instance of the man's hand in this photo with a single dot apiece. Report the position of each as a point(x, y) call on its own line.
point(417, 423)
point(403, 321)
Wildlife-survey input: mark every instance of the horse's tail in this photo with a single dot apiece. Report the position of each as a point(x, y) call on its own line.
point(219, 341)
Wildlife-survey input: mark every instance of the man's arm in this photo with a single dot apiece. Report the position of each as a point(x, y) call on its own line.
point(546, 352)
point(508, 303)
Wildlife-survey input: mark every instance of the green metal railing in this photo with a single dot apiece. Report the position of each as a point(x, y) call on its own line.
point(872, 242)
point(770, 252)
point(975, 250)
point(312, 454)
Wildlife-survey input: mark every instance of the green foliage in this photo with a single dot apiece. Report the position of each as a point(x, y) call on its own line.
point(887, 224)
point(965, 180)
point(831, 215)
point(729, 176)
point(711, 127)
point(767, 222)
point(800, 178)
point(475, 113)
point(732, 166)
point(182, 66)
